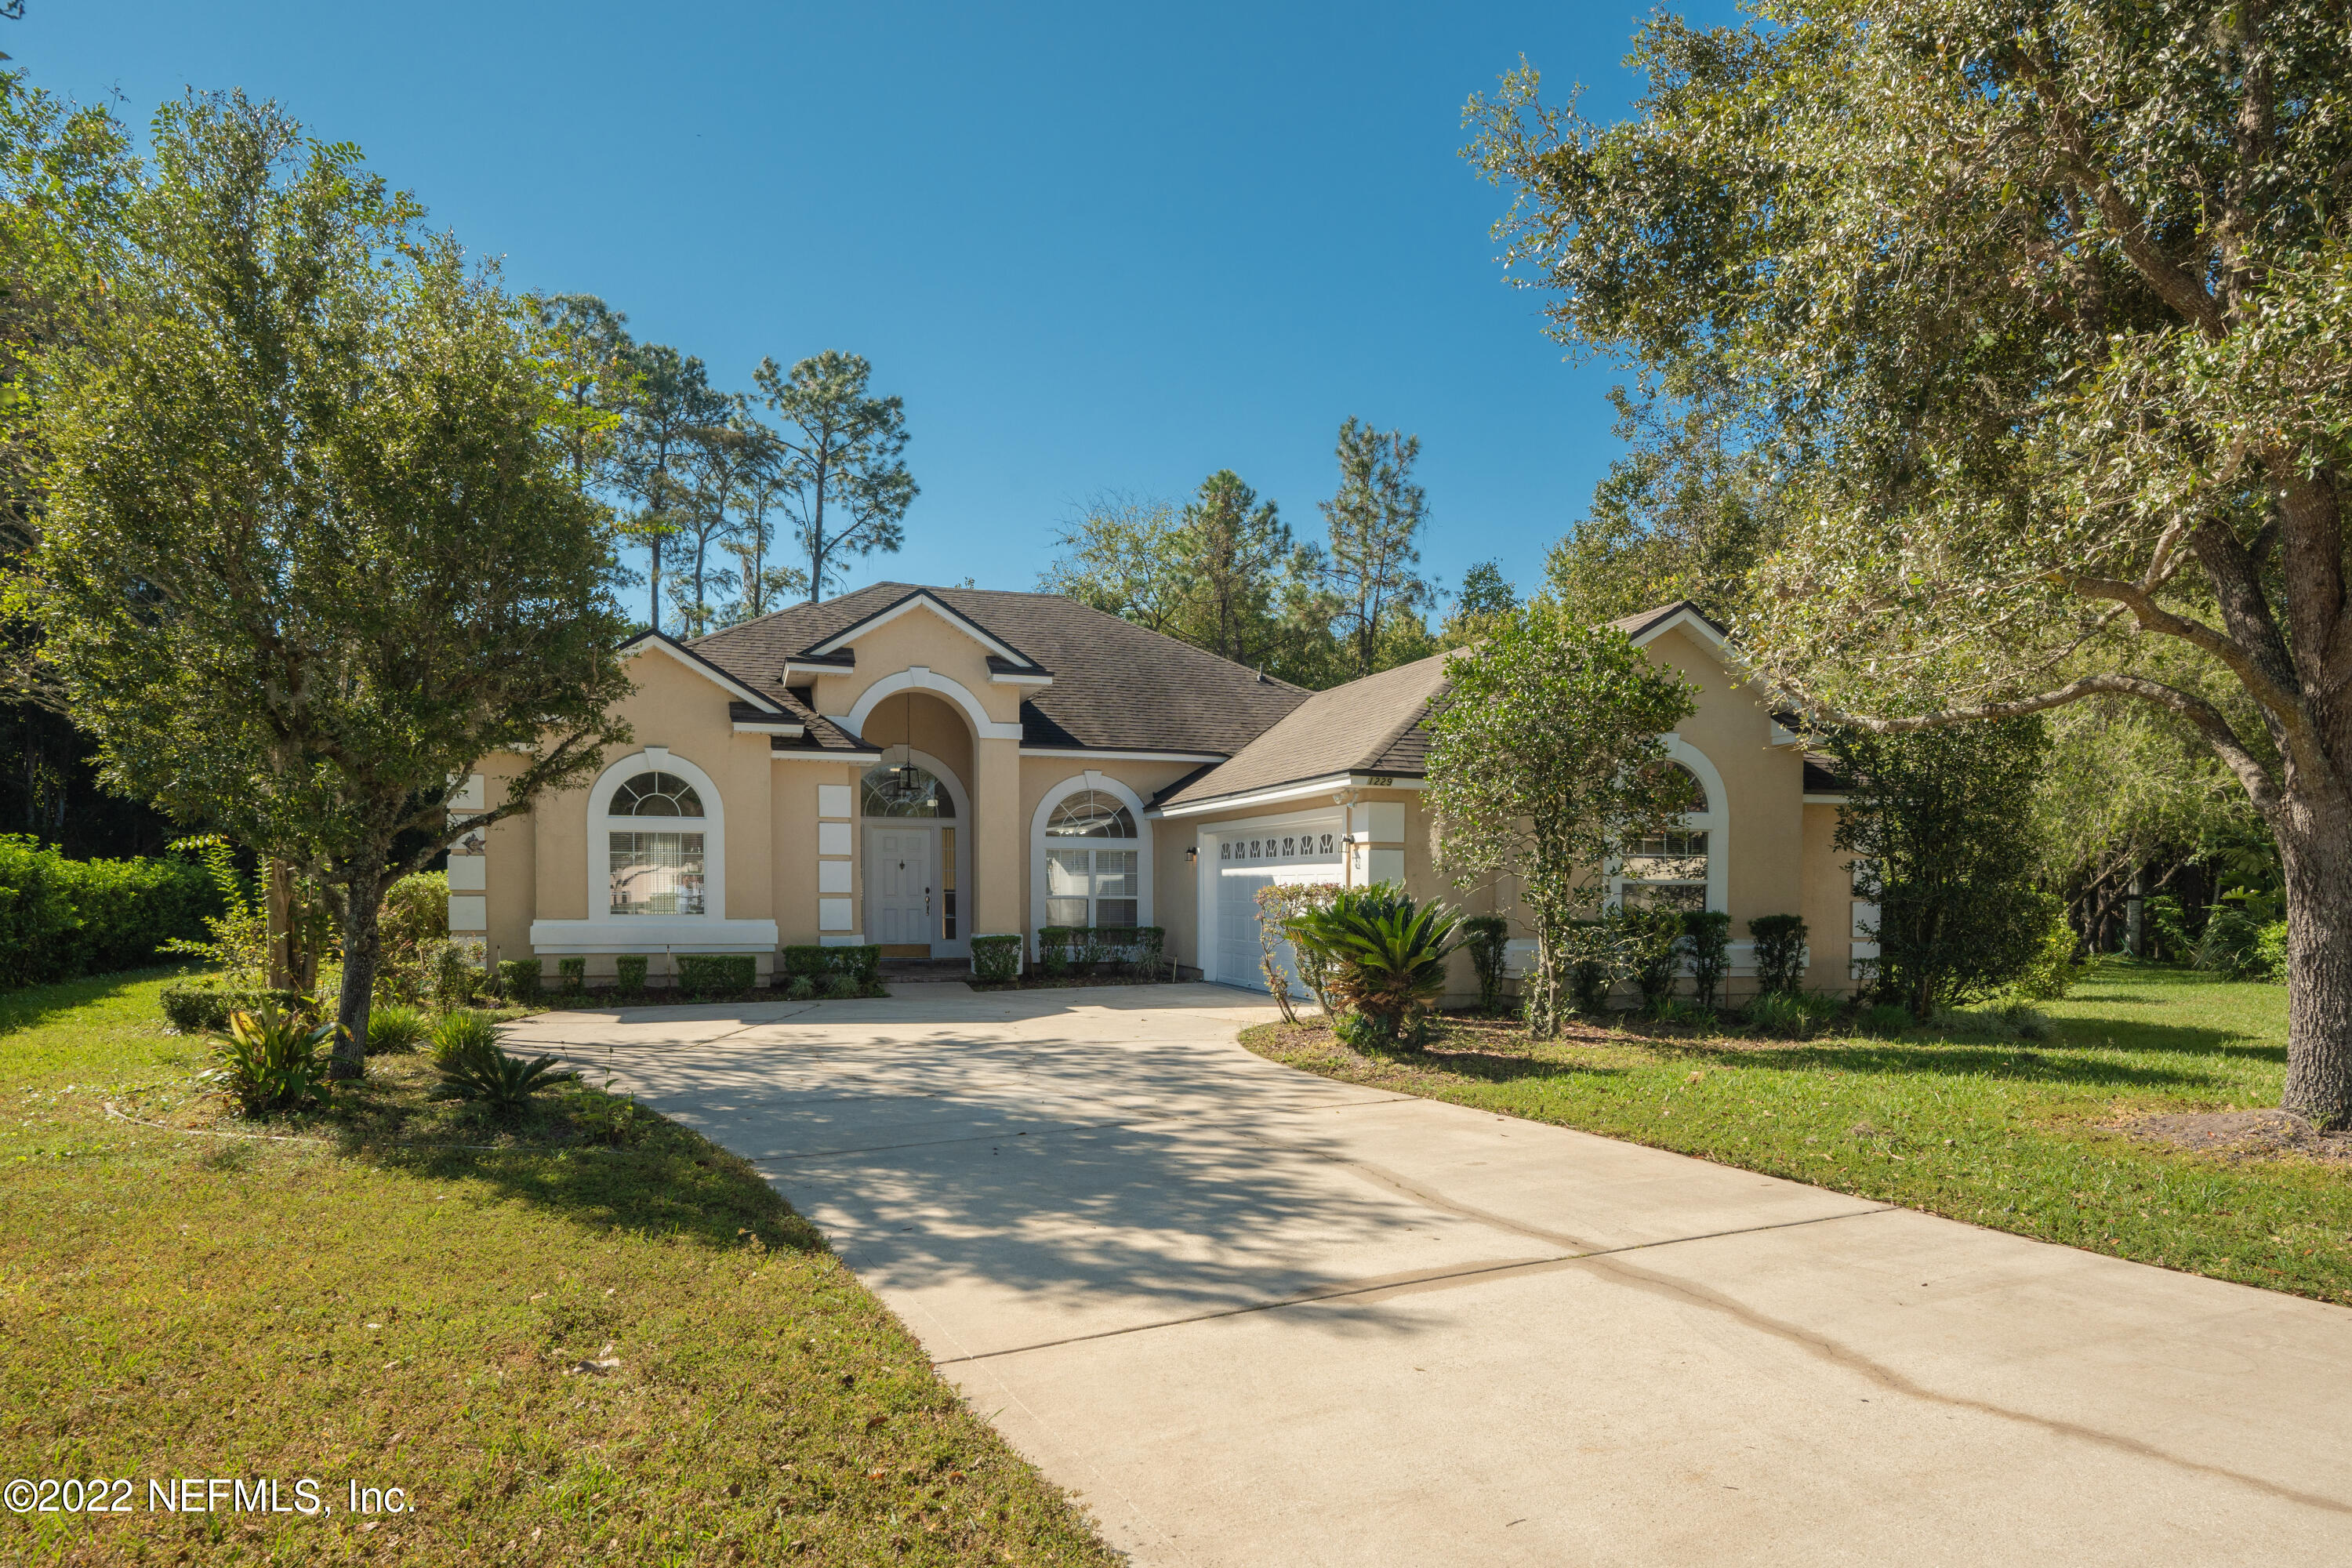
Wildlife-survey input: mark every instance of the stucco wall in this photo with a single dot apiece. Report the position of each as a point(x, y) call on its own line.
point(1828, 907)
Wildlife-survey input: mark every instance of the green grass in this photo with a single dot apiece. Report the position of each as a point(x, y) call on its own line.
point(2016, 1135)
point(351, 1308)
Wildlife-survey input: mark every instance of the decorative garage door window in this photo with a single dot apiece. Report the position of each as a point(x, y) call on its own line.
point(1095, 885)
point(656, 871)
point(1269, 851)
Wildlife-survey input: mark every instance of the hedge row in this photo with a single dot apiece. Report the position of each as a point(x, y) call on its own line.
point(60, 918)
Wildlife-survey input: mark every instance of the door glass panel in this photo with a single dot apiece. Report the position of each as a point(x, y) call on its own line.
point(1068, 884)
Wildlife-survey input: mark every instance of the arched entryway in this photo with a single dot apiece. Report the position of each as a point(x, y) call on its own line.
point(914, 819)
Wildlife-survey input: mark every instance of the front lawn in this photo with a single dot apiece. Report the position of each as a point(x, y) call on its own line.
point(2018, 1135)
point(558, 1348)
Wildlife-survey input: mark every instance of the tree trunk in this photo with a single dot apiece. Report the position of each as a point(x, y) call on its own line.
point(2315, 852)
point(363, 949)
point(280, 925)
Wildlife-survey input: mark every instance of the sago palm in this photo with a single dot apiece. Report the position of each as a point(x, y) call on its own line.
point(1384, 954)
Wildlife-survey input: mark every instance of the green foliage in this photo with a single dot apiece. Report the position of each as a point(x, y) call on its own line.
point(1886, 1019)
point(1488, 938)
point(1374, 520)
point(1653, 952)
point(629, 972)
point(572, 972)
point(2165, 932)
point(1084, 949)
point(499, 1083)
point(397, 1028)
point(1545, 760)
point(846, 483)
point(60, 918)
point(1279, 904)
point(717, 974)
point(863, 960)
point(841, 984)
point(1679, 1011)
point(462, 1034)
point(203, 1006)
point(275, 1060)
point(451, 971)
point(1707, 938)
point(995, 960)
point(1221, 573)
point(2237, 947)
point(1941, 824)
point(1779, 952)
point(803, 987)
point(1384, 955)
point(2053, 969)
point(411, 929)
point(280, 339)
point(519, 978)
point(1780, 1013)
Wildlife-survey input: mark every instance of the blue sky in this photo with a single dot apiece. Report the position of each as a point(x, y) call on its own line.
point(1093, 247)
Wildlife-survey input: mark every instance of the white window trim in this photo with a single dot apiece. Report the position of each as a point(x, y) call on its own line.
point(601, 825)
point(1039, 843)
point(1715, 822)
point(962, 946)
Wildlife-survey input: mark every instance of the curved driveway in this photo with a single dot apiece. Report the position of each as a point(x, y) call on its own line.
point(1254, 1317)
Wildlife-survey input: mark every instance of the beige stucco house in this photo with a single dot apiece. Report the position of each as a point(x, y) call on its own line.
point(913, 766)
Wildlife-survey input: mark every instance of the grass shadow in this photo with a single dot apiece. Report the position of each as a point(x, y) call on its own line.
point(36, 1005)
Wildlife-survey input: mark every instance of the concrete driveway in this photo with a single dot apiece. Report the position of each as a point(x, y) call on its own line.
point(1253, 1316)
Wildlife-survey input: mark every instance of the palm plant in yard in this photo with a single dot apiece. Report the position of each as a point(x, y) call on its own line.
point(1383, 957)
point(275, 1062)
point(500, 1083)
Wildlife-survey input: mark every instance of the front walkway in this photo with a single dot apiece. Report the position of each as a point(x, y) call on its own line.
point(1255, 1317)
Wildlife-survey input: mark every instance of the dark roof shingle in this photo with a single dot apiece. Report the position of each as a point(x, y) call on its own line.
point(1117, 685)
point(1371, 726)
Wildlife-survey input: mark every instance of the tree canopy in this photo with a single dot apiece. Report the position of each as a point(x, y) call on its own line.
point(311, 543)
point(2045, 311)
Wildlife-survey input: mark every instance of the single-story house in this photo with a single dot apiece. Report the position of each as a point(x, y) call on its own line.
point(912, 766)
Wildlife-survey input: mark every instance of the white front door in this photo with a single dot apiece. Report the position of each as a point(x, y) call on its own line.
point(899, 891)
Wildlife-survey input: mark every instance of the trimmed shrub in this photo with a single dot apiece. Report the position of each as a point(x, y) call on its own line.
point(572, 972)
point(1779, 952)
point(203, 1006)
point(995, 959)
point(864, 961)
point(1706, 937)
point(1083, 949)
point(629, 971)
point(715, 973)
point(519, 978)
point(59, 918)
point(395, 1028)
point(1488, 939)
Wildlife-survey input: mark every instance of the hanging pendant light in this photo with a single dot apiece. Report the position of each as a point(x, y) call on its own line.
point(906, 784)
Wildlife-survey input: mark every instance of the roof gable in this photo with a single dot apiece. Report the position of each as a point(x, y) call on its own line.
point(925, 599)
point(650, 640)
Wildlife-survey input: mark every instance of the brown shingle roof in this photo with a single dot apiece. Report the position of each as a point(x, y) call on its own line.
point(1369, 726)
point(1117, 685)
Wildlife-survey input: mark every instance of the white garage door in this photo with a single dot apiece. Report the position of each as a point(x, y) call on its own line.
point(1249, 860)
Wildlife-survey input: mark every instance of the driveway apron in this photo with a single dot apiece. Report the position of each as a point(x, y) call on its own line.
point(1252, 1316)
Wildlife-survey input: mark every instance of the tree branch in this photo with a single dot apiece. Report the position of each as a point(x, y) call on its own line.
point(2208, 720)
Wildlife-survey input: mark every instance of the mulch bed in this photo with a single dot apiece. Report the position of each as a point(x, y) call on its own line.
point(2242, 1135)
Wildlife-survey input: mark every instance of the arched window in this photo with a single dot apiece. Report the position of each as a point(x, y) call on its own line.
point(1091, 813)
point(1093, 885)
point(656, 793)
point(1669, 869)
point(902, 789)
point(654, 872)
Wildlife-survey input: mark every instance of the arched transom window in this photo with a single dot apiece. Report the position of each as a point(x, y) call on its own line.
point(655, 871)
point(902, 789)
point(1090, 864)
point(1669, 869)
